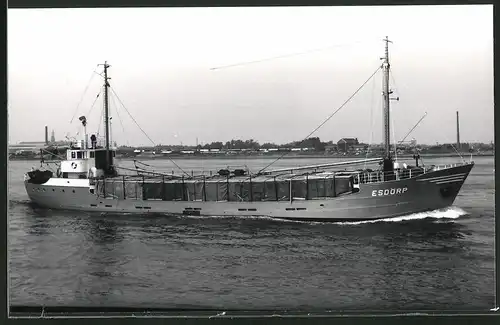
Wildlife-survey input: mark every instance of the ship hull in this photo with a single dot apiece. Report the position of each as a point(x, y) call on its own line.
point(433, 190)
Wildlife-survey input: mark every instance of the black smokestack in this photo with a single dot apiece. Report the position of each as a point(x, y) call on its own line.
point(46, 135)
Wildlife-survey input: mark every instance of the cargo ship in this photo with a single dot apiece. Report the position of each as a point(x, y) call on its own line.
point(90, 179)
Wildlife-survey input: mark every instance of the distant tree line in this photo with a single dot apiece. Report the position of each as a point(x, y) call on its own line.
point(314, 143)
point(251, 144)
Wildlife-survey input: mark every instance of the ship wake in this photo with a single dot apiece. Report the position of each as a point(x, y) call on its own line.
point(441, 214)
point(14, 202)
point(447, 214)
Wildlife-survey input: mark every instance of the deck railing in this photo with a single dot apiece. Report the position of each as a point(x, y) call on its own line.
point(80, 144)
point(379, 176)
point(362, 177)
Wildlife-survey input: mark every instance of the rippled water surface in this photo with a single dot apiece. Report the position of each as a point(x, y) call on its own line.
point(436, 260)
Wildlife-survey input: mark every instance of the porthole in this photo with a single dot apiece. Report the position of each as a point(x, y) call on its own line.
point(63, 190)
point(73, 191)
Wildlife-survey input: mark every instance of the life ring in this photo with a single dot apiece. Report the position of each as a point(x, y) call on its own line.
point(74, 165)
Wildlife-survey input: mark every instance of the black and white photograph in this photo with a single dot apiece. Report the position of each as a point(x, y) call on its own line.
point(252, 158)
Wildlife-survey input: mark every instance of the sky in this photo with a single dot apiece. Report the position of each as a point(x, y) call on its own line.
point(161, 71)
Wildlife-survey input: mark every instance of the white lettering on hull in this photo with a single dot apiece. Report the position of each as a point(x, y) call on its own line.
point(389, 191)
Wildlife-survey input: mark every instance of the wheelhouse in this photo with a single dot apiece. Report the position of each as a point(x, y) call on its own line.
point(85, 163)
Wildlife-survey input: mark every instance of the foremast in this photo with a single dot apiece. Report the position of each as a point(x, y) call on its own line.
point(109, 158)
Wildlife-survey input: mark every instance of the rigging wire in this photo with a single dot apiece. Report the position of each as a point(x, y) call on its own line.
point(391, 119)
point(372, 123)
point(100, 120)
point(393, 81)
point(95, 100)
point(119, 119)
point(83, 95)
point(287, 55)
point(425, 114)
point(119, 100)
point(413, 128)
point(133, 119)
point(458, 152)
point(323, 123)
point(394, 136)
point(397, 90)
point(50, 152)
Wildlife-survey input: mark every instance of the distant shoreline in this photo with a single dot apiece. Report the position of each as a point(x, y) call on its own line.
point(240, 157)
point(290, 157)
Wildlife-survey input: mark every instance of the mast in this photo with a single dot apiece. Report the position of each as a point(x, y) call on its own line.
point(386, 93)
point(106, 113)
point(388, 162)
point(458, 132)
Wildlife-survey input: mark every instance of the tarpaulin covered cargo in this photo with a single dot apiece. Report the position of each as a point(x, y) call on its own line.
point(194, 190)
point(174, 191)
point(115, 188)
point(236, 189)
point(342, 185)
point(152, 190)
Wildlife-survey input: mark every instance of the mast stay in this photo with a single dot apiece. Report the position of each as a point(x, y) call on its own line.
point(388, 165)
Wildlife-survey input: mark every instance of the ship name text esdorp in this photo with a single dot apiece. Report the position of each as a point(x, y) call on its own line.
point(389, 191)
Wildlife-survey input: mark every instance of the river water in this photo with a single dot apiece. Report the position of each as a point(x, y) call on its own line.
point(437, 260)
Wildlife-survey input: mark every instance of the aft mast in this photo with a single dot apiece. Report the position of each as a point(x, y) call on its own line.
point(388, 162)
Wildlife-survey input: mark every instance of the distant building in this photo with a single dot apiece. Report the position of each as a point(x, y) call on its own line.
point(27, 146)
point(359, 147)
point(345, 144)
point(331, 148)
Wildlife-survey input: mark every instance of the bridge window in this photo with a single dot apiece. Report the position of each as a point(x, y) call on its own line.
point(79, 155)
point(92, 154)
point(73, 154)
